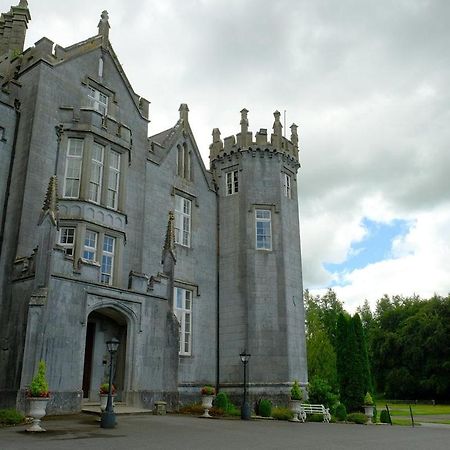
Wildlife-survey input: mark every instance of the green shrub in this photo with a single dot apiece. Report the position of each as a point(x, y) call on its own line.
point(368, 399)
point(221, 401)
point(10, 417)
point(359, 418)
point(341, 412)
point(265, 408)
point(296, 392)
point(282, 413)
point(375, 414)
point(320, 392)
point(233, 410)
point(39, 385)
point(384, 416)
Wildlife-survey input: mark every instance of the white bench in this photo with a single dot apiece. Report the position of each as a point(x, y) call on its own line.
point(314, 409)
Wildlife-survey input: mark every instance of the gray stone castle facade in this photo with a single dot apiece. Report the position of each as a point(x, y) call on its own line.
point(106, 232)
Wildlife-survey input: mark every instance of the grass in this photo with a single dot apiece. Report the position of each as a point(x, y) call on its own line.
point(400, 409)
point(401, 415)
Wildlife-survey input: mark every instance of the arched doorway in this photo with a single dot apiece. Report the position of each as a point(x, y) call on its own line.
point(102, 325)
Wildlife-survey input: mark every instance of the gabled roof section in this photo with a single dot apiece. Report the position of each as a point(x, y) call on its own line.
point(161, 143)
point(46, 50)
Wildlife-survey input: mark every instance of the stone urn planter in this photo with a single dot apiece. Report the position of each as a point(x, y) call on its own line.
point(207, 404)
point(208, 393)
point(103, 393)
point(295, 403)
point(295, 407)
point(38, 395)
point(38, 406)
point(104, 401)
point(368, 411)
point(368, 406)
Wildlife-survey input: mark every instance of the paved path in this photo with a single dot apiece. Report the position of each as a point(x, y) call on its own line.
point(190, 433)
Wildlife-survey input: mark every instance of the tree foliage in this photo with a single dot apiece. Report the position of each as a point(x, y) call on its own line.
point(402, 349)
point(411, 347)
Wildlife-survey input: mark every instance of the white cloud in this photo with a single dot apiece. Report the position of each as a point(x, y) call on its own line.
point(368, 83)
point(421, 265)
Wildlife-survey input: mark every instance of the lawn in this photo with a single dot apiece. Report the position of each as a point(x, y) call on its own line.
point(400, 413)
point(400, 409)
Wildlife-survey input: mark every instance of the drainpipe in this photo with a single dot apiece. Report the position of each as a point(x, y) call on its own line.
point(11, 164)
point(217, 288)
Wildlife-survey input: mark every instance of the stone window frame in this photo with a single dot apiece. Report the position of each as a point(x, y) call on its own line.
point(181, 312)
point(89, 139)
point(184, 162)
point(69, 248)
point(232, 182)
point(79, 244)
point(182, 215)
point(97, 84)
point(269, 209)
point(287, 185)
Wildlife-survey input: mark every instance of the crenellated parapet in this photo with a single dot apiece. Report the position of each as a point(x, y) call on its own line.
point(244, 140)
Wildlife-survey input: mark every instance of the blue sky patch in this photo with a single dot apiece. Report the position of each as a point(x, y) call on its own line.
point(374, 247)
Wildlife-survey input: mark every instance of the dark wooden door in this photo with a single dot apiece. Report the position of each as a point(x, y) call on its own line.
point(90, 335)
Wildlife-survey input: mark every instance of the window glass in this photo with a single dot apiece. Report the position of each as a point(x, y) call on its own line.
point(287, 185)
point(263, 229)
point(90, 245)
point(107, 260)
point(98, 100)
point(182, 221)
point(67, 239)
point(183, 312)
point(232, 183)
point(73, 168)
point(112, 200)
point(95, 182)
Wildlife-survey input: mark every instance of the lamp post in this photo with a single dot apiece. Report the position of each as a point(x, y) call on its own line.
point(245, 409)
point(108, 419)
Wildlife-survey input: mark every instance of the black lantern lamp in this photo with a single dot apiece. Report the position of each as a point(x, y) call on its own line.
point(108, 419)
point(245, 409)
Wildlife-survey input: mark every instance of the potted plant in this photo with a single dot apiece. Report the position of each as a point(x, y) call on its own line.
point(103, 392)
point(38, 395)
point(208, 393)
point(295, 403)
point(368, 406)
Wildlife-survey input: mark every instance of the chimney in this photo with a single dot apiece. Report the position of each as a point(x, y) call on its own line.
point(13, 28)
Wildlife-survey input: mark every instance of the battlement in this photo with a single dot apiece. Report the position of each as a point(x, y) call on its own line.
point(244, 139)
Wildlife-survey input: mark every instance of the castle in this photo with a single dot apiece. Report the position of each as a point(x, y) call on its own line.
point(106, 232)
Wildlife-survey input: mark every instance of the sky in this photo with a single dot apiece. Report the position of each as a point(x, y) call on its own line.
point(368, 83)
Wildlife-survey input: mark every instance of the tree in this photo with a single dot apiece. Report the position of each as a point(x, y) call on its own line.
point(352, 362)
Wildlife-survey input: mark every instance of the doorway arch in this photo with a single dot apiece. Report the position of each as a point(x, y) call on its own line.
point(103, 324)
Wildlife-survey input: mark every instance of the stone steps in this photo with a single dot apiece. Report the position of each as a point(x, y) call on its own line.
point(119, 409)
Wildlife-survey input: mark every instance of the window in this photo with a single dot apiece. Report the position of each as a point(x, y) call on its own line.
point(232, 182)
point(98, 100)
point(182, 221)
point(73, 168)
point(95, 182)
point(263, 229)
point(113, 180)
point(106, 274)
point(287, 185)
point(183, 312)
point(90, 246)
point(67, 239)
point(184, 162)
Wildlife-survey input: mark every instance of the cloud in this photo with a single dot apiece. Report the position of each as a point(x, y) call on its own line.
point(367, 82)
